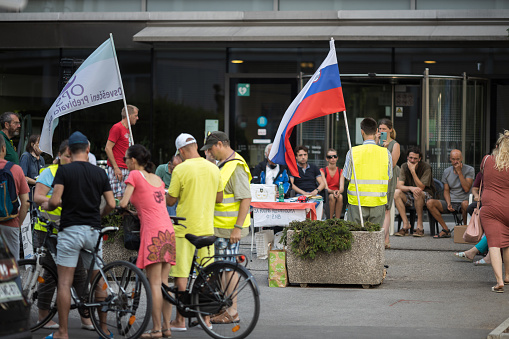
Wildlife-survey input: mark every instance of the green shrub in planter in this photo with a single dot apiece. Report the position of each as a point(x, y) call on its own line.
point(314, 236)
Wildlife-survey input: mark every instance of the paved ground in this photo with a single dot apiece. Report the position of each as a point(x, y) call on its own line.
point(428, 293)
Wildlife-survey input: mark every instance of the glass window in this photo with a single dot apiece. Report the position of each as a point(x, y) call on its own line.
point(83, 6)
point(188, 89)
point(319, 5)
point(463, 4)
point(207, 5)
point(448, 61)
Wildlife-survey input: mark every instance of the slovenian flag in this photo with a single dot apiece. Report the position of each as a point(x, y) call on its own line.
point(321, 96)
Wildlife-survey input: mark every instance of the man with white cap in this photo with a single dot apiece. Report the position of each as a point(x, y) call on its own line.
point(196, 183)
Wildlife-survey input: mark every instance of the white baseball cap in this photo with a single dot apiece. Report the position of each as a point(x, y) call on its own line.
point(183, 140)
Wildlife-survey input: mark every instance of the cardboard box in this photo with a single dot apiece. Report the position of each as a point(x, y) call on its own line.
point(261, 192)
point(458, 234)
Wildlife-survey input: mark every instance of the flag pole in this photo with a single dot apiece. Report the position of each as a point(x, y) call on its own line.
point(131, 138)
point(353, 169)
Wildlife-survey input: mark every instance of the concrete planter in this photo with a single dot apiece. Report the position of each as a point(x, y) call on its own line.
point(363, 264)
point(115, 250)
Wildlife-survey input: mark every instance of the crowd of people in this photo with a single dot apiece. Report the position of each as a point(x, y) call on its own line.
point(70, 190)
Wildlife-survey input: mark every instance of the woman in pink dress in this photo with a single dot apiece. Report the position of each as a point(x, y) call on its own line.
point(494, 216)
point(146, 192)
point(333, 185)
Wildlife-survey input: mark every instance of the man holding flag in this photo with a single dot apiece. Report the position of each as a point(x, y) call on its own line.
point(116, 146)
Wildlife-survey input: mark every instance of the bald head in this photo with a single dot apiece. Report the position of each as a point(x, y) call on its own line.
point(455, 157)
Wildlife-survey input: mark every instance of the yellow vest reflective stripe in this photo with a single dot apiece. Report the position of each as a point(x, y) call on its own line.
point(227, 211)
point(371, 166)
point(52, 215)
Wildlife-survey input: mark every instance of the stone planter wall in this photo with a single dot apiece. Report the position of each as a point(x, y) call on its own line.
point(113, 251)
point(363, 264)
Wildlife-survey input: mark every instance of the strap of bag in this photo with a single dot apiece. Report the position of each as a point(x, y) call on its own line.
point(480, 186)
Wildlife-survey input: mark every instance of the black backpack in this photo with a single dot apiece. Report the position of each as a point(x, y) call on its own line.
point(9, 204)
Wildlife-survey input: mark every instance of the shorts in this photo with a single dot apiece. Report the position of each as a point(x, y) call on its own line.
point(456, 205)
point(118, 188)
point(185, 253)
point(12, 238)
point(230, 249)
point(71, 240)
point(410, 198)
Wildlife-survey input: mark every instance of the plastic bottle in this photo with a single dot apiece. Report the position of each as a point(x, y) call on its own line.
point(281, 192)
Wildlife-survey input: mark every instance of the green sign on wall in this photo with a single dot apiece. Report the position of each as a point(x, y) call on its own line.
point(243, 90)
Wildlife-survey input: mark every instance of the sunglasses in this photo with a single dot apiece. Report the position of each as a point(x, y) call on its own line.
point(332, 156)
point(125, 158)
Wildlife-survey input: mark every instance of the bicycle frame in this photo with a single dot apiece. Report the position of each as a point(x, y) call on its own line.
point(196, 269)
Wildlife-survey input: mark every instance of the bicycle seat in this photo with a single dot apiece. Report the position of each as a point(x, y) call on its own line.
point(201, 241)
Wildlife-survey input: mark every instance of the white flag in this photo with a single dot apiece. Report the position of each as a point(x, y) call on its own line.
point(95, 82)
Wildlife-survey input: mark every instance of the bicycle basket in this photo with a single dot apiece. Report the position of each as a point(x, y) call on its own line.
point(131, 224)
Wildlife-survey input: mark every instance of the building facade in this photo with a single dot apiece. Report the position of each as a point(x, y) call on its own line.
point(438, 69)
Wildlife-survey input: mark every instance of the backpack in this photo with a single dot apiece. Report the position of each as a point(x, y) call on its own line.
point(8, 198)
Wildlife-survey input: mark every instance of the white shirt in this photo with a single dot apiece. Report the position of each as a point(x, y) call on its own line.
point(271, 174)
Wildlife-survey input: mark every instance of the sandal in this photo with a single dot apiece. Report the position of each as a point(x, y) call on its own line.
point(387, 245)
point(463, 256)
point(481, 262)
point(446, 234)
point(497, 289)
point(165, 331)
point(225, 318)
point(150, 334)
point(402, 232)
point(419, 232)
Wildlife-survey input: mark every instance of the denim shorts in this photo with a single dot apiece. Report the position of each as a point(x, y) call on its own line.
point(72, 240)
point(230, 249)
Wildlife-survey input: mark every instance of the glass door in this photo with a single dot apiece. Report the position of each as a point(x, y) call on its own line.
point(454, 113)
point(255, 107)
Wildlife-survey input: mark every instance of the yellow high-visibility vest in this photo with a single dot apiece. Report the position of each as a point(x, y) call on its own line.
point(227, 211)
point(371, 166)
point(52, 215)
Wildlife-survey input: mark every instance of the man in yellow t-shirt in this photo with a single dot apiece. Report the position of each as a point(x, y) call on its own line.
point(196, 183)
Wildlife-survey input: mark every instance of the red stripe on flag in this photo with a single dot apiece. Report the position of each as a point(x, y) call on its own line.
point(314, 106)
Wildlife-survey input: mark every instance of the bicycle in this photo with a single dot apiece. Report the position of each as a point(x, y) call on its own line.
point(214, 288)
point(128, 303)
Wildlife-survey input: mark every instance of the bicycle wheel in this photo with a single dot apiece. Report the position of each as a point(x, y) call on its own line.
point(227, 287)
point(125, 301)
point(40, 291)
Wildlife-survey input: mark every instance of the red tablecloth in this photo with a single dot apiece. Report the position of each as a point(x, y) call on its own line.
point(288, 206)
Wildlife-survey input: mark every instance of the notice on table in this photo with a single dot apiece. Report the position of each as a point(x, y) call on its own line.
point(272, 217)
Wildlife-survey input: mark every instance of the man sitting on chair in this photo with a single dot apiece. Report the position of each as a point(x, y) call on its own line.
point(415, 187)
point(457, 180)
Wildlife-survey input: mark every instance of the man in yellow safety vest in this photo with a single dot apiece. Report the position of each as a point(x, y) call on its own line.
point(231, 216)
point(373, 168)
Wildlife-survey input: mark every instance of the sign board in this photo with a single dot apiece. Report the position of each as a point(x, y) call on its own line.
point(243, 90)
point(211, 125)
point(264, 217)
point(399, 112)
point(262, 121)
point(26, 236)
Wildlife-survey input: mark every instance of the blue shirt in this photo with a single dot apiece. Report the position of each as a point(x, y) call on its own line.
point(46, 178)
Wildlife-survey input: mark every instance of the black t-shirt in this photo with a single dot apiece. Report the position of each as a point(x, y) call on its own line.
point(307, 181)
point(84, 185)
